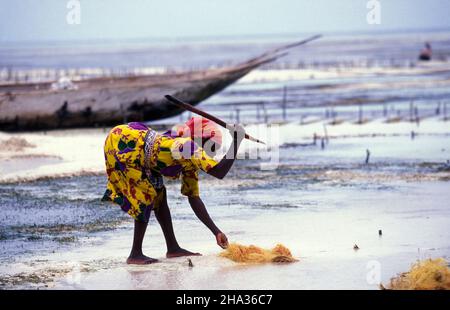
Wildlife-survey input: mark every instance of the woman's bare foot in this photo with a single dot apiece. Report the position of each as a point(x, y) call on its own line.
point(141, 260)
point(181, 252)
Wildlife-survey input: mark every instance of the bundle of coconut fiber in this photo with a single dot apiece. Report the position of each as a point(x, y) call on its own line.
point(430, 274)
point(253, 254)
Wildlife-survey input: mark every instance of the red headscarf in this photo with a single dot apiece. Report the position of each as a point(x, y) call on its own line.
point(199, 127)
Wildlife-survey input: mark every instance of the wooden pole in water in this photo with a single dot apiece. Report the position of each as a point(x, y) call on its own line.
point(416, 115)
point(266, 117)
point(325, 132)
point(411, 111)
point(445, 110)
point(122, 111)
point(360, 116)
point(284, 102)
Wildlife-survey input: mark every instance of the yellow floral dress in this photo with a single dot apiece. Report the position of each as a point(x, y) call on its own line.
point(135, 175)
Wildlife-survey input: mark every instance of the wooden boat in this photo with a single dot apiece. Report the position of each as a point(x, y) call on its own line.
point(109, 101)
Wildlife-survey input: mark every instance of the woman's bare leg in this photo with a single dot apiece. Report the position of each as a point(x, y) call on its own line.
point(136, 255)
point(164, 218)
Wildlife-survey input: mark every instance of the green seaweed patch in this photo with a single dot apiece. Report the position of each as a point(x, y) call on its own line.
point(34, 238)
point(427, 164)
point(67, 239)
point(63, 228)
point(41, 278)
point(445, 178)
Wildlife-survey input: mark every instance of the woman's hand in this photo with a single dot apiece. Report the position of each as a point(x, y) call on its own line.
point(237, 131)
point(222, 240)
point(221, 169)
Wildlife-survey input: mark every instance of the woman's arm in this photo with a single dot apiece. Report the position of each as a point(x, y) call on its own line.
point(199, 209)
point(221, 169)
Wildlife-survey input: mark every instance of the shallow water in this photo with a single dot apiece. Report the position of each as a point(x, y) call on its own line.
point(373, 48)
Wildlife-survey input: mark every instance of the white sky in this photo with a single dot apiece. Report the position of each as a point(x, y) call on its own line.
point(42, 20)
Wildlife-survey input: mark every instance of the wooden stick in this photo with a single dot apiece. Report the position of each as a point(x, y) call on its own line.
point(193, 109)
point(289, 46)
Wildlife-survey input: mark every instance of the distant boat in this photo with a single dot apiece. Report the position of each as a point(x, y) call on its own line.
point(425, 54)
point(108, 101)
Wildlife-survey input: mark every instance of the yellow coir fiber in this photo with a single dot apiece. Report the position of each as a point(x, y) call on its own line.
point(430, 274)
point(253, 254)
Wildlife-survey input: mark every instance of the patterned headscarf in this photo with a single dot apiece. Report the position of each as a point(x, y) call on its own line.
point(199, 127)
